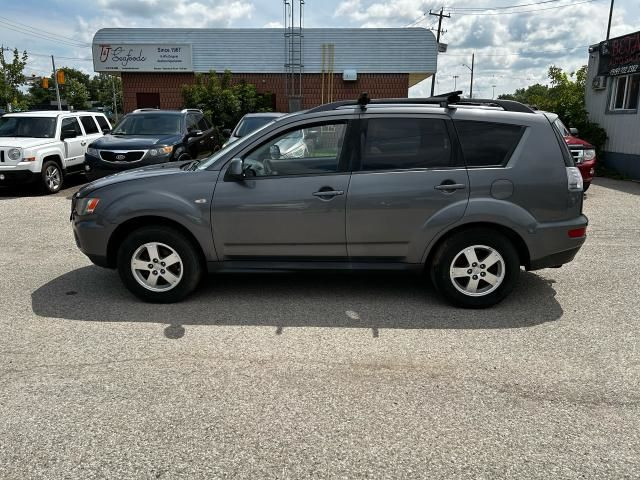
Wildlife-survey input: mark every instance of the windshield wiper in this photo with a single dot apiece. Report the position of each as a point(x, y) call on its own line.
point(191, 165)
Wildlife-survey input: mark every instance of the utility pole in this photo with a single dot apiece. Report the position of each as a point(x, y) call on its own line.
point(455, 78)
point(55, 80)
point(440, 16)
point(610, 15)
point(115, 102)
point(473, 59)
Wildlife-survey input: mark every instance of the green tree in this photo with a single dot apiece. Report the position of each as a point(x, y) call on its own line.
point(221, 101)
point(11, 79)
point(76, 94)
point(101, 90)
point(565, 97)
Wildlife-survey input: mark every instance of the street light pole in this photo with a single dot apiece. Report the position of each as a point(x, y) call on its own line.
point(455, 78)
point(115, 102)
point(473, 57)
point(610, 15)
point(494, 92)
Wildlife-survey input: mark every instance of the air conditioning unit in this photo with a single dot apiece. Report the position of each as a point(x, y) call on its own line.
point(350, 75)
point(599, 82)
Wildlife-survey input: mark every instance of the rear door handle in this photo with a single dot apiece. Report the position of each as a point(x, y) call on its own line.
point(83, 143)
point(450, 187)
point(328, 193)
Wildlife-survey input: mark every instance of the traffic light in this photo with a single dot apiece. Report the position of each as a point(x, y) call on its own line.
point(60, 77)
point(45, 82)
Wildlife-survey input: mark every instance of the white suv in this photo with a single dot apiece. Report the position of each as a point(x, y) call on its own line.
point(46, 146)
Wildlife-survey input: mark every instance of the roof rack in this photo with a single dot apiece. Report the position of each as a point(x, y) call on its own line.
point(187, 110)
point(444, 100)
point(144, 110)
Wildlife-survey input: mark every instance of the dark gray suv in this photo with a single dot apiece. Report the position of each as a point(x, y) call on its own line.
point(468, 191)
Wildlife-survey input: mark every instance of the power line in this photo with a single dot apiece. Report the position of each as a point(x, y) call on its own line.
point(521, 11)
point(39, 30)
point(41, 36)
point(505, 7)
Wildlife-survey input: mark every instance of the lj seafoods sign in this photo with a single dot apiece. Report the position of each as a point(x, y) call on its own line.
point(142, 58)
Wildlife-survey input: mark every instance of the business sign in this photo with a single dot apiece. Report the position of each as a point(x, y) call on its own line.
point(138, 57)
point(620, 56)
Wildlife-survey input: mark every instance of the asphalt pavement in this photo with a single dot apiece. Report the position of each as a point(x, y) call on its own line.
point(317, 376)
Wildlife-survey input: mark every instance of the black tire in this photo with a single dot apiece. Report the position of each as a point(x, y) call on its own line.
point(51, 168)
point(191, 264)
point(451, 247)
point(586, 186)
point(181, 155)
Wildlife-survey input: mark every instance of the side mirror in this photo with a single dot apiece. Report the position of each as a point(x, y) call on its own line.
point(236, 170)
point(226, 132)
point(274, 152)
point(574, 131)
point(194, 133)
point(68, 134)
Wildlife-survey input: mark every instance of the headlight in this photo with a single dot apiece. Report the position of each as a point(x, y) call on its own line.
point(93, 152)
point(14, 154)
point(86, 206)
point(160, 151)
point(589, 154)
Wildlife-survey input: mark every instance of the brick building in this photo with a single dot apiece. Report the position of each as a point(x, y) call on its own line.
point(338, 63)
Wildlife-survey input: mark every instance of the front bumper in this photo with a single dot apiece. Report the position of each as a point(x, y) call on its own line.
point(97, 168)
point(587, 170)
point(18, 174)
point(91, 235)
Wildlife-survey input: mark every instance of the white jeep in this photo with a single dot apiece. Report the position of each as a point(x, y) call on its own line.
point(46, 146)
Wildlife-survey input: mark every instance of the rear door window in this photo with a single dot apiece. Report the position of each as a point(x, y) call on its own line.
point(89, 124)
point(406, 143)
point(487, 144)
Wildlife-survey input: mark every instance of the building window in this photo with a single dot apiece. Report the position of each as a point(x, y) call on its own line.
point(624, 93)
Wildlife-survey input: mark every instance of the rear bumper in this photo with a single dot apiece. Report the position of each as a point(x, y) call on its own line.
point(551, 245)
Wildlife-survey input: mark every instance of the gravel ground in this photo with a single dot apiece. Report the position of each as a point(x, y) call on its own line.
point(329, 376)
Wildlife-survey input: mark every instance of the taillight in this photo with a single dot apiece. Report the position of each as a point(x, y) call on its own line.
point(577, 232)
point(574, 179)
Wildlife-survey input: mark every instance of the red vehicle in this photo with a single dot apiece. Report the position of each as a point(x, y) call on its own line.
point(584, 154)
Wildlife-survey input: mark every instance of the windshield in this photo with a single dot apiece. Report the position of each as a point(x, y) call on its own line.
point(149, 124)
point(32, 127)
point(221, 153)
point(249, 124)
point(564, 131)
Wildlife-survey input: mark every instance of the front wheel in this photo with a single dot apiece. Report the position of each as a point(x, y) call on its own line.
point(475, 268)
point(159, 264)
point(52, 177)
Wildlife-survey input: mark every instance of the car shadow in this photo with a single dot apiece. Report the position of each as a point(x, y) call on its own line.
point(339, 300)
point(623, 186)
point(72, 184)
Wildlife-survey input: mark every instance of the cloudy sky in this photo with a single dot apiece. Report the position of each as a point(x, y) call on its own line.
point(514, 46)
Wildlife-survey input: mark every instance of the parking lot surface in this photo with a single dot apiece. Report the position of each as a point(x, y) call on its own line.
point(323, 376)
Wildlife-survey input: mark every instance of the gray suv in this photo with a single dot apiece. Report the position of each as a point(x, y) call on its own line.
point(467, 191)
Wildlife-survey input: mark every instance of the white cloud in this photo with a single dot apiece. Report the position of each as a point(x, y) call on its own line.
point(273, 25)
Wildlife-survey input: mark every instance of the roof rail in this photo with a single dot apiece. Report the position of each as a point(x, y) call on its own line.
point(444, 100)
point(144, 110)
point(187, 110)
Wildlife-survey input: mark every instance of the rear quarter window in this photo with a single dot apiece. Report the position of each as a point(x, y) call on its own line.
point(89, 125)
point(102, 122)
point(487, 144)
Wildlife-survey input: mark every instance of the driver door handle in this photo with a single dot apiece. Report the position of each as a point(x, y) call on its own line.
point(328, 193)
point(450, 187)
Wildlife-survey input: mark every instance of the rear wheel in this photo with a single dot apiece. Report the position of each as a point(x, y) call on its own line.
point(159, 264)
point(52, 177)
point(475, 268)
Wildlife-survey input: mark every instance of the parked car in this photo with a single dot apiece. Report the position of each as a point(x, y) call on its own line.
point(467, 193)
point(584, 154)
point(149, 136)
point(248, 124)
point(46, 146)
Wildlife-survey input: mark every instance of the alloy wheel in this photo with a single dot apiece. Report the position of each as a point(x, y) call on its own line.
point(477, 270)
point(157, 267)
